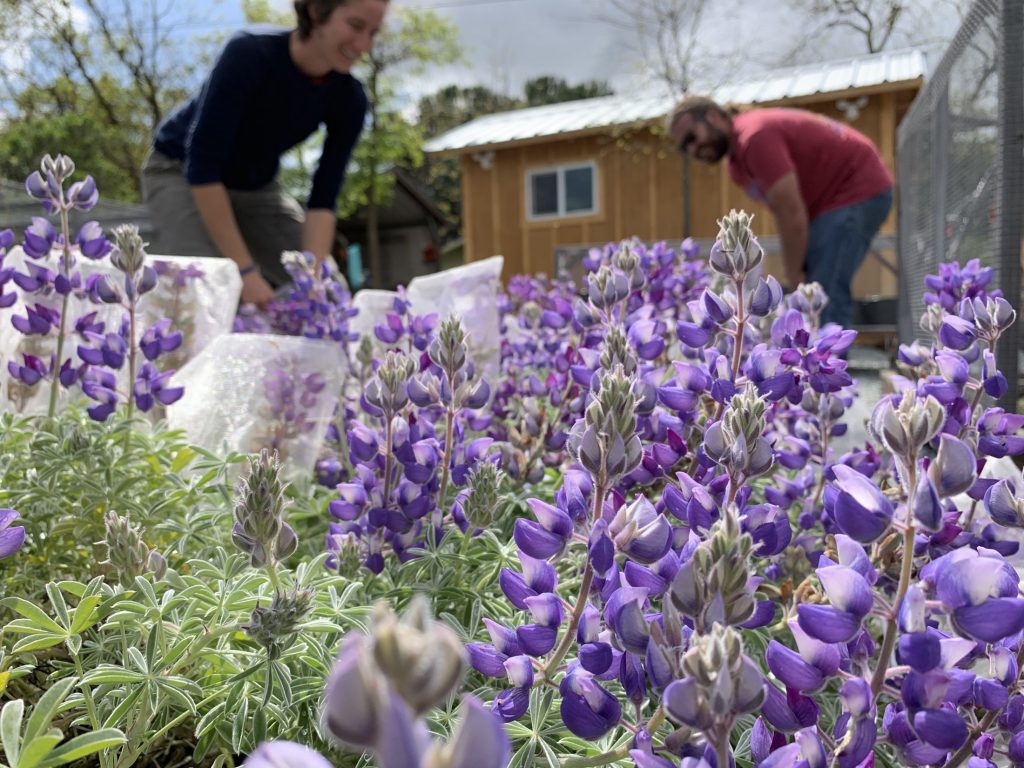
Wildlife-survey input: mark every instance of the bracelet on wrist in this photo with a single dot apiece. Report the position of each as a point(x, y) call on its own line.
point(248, 270)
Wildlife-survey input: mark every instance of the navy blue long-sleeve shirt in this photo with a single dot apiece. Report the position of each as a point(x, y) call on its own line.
point(255, 105)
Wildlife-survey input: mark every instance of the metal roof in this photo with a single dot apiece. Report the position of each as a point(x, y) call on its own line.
point(606, 111)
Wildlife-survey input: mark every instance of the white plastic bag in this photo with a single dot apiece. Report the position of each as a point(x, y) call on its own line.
point(471, 292)
point(245, 392)
point(200, 296)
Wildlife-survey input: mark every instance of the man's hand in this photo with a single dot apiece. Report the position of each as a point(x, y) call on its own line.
point(794, 278)
point(256, 290)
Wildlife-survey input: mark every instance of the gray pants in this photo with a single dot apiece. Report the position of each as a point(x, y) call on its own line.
point(269, 219)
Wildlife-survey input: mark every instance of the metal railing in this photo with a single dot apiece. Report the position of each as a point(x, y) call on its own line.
point(960, 162)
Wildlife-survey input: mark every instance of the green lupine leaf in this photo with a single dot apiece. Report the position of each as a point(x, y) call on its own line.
point(47, 706)
point(34, 750)
point(84, 745)
point(37, 642)
point(34, 613)
point(10, 729)
point(85, 614)
point(60, 607)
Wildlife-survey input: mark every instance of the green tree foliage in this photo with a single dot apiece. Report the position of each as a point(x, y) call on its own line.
point(92, 79)
point(553, 90)
point(412, 40)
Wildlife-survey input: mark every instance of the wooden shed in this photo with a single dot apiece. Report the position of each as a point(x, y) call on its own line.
point(557, 178)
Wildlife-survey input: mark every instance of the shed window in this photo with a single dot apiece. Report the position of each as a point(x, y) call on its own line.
point(567, 190)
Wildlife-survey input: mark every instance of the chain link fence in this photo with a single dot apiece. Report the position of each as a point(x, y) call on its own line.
point(961, 168)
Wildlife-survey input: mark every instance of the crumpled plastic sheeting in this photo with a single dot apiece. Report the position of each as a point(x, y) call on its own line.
point(470, 291)
point(245, 392)
point(202, 307)
point(372, 305)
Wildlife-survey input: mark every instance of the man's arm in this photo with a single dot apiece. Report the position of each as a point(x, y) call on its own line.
point(790, 212)
point(318, 232)
point(215, 210)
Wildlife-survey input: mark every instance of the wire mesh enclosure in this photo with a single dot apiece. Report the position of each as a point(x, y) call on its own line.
point(961, 168)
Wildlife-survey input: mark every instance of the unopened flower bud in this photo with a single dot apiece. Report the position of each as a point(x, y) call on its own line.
point(259, 528)
point(129, 253)
point(483, 494)
point(127, 554)
point(422, 658)
point(274, 625)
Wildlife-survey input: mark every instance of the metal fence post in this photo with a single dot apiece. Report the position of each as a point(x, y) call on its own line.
point(1011, 188)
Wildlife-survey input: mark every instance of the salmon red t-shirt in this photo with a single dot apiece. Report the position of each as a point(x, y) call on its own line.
point(835, 165)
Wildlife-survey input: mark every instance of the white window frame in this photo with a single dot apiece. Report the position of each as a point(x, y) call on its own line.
point(560, 171)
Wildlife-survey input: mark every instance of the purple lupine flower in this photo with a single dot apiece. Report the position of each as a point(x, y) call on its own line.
point(851, 599)
point(11, 538)
point(83, 194)
point(538, 577)
point(156, 340)
point(587, 709)
point(979, 592)
point(859, 508)
point(151, 387)
point(39, 238)
point(640, 531)
point(91, 241)
point(806, 751)
point(546, 537)
point(285, 754)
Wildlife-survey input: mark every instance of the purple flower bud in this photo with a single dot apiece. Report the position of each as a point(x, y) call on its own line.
point(587, 709)
point(285, 754)
point(926, 504)
point(860, 509)
point(941, 728)
point(353, 696)
point(766, 297)
point(954, 469)
point(11, 538)
point(512, 704)
point(624, 616)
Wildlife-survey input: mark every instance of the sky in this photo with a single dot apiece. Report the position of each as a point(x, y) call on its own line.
point(507, 42)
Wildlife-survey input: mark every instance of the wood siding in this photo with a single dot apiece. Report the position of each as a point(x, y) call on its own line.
point(640, 192)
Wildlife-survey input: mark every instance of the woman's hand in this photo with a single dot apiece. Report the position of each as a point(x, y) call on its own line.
point(256, 290)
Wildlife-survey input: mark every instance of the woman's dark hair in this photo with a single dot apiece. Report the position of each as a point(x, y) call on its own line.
point(312, 13)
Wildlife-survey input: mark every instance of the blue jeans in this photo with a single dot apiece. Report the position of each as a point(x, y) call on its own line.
point(837, 242)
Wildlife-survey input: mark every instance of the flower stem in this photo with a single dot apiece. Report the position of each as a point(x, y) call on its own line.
point(449, 440)
point(741, 322)
point(892, 627)
point(66, 269)
point(581, 601)
point(722, 750)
